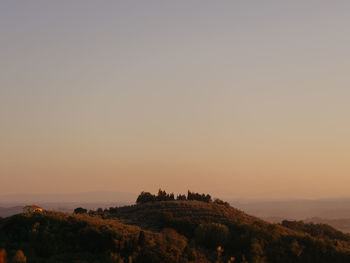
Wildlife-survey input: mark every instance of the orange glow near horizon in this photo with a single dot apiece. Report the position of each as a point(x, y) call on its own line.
point(234, 99)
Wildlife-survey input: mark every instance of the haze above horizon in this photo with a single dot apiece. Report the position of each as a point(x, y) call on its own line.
point(244, 98)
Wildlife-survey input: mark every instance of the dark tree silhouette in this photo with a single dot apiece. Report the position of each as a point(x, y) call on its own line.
point(80, 210)
point(198, 197)
point(145, 197)
point(181, 197)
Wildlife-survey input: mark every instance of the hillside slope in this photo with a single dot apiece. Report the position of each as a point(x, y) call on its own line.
point(58, 237)
point(156, 215)
point(246, 236)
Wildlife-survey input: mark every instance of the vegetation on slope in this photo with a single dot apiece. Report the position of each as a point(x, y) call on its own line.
point(160, 228)
point(57, 237)
point(209, 224)
point(317, 230)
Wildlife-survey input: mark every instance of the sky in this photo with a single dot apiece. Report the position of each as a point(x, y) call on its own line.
point(236, 98)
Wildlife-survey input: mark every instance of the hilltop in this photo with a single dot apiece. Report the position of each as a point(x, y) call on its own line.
point(156, 215)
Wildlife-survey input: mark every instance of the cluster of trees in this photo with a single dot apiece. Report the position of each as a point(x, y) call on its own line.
point(162, 195)
point(198, 197)
point(145, 197)
point(99, 211)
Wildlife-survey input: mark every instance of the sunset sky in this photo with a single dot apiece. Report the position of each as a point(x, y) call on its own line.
point(236, 98)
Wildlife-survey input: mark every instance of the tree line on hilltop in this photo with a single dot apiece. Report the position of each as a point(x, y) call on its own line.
point(145, 197)
point(162, 195)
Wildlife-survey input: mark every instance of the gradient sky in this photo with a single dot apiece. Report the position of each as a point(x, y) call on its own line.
point(237, 98)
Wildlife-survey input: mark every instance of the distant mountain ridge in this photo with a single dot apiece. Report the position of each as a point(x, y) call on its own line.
point(9, 211)
point(88, 197)
point(13, 204)
point(333, 208)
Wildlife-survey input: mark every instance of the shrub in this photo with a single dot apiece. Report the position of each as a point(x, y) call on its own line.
point(174, 238)
point(80, 210)
point(3, 256)
point(145, 197)
point(19, 257)
point(220, 202)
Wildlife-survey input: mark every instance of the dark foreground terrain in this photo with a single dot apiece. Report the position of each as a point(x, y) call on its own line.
point(154, 230)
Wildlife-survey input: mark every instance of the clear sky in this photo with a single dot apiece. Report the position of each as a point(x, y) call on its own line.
point(240, 98)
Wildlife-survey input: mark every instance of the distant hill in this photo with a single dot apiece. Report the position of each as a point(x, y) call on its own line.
point(342, 224)
point(9, 211)
point(334, 212)
point(296, 209)
point(13, 204)
point(60, 207)
point(88, 197)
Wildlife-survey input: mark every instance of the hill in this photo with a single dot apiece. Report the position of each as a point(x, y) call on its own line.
point(342, 224)
point(247, 236)
point(183, 230)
